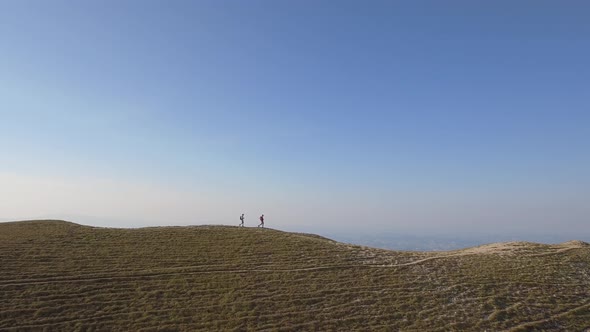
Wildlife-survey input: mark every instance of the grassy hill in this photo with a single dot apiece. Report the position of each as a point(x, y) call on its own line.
point(60, 276)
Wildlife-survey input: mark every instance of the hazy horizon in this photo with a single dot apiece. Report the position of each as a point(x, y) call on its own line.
point(353, 118)
point(385, 239)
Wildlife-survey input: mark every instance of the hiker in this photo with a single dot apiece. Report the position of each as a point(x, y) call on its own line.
point(242, 220)
point(261, 221)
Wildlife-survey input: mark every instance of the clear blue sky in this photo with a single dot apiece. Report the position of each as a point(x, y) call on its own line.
point(416, 116)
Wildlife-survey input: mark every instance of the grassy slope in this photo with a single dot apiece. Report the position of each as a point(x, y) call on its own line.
point(63, 276)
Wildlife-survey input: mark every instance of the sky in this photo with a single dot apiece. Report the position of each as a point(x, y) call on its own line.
point(414, 117)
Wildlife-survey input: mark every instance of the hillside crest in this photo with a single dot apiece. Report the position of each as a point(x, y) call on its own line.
point(498, 247)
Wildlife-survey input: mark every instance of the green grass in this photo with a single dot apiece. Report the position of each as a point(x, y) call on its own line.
point(60, 276)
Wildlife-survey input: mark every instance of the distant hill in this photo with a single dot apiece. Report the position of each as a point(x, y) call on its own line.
point(60, 276)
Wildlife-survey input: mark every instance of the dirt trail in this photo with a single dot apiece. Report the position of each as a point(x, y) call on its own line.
point(529, 325)
point(488, 249)
point(183, 270)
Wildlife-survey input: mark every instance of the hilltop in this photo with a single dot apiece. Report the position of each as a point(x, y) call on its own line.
point(56, 275)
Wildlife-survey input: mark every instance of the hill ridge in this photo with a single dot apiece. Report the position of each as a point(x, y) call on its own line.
point(484, 248)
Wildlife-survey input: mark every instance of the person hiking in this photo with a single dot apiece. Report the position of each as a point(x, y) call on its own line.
point(242, 220)
point(261, 221)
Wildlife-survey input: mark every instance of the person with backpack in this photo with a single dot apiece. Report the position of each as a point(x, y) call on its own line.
point(242, 221)
point(261, 221)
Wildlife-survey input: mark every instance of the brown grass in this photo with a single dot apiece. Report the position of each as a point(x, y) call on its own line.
point(61, 276)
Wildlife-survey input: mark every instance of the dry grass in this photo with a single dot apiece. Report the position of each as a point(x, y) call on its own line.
point(61, 276)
